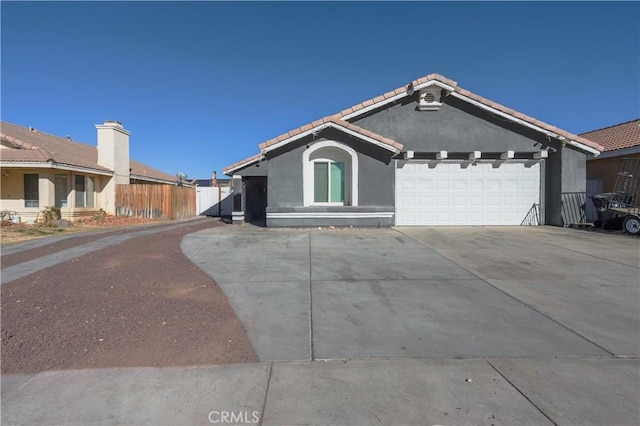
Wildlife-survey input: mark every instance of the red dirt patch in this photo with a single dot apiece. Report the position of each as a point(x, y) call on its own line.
point(139, 303)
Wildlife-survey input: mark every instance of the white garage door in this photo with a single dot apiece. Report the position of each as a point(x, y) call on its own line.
point(440, 193)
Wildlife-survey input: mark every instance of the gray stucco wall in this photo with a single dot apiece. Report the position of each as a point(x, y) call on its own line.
point(565, 172)
point(460, 127)
point(284, 185)
point(553, 189)
point(260, 168)
point(456, 127)
point(375, 177)
point(574, 170)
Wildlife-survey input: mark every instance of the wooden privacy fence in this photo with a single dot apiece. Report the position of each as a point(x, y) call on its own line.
point(155, 201)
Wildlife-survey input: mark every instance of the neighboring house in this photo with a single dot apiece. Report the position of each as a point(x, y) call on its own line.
point(618, 141)
point(429, 153)
point(41, 170)
point(214, 181)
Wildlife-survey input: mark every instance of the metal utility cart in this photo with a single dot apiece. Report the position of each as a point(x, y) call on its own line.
point(621, 208)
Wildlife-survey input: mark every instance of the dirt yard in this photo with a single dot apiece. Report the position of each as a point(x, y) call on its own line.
point(17, 233)
point(138, 303)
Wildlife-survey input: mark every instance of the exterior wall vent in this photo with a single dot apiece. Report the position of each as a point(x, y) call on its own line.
point(429, 98)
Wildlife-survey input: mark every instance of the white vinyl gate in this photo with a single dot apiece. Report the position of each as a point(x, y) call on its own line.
point(449, 193)
point(214, 200)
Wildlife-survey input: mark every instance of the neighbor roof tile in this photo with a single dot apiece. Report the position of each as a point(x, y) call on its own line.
point(36, 146)
point(619, 136)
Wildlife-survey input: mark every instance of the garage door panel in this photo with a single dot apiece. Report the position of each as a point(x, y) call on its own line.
point(460, 201)
point(511, 201)
point(423, 184)
point(493, 201)
point(476, 201)
point(528, 184)
point(493, 185)
point(443, 184)
point(481, 194)
point(509, 184)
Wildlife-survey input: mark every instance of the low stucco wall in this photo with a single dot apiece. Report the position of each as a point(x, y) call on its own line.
point(338, 216)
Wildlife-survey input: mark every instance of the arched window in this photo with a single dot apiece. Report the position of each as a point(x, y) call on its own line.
point(330, 175)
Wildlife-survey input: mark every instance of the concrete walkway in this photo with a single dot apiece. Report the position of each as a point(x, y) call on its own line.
point(409, 326)
point(503, 391)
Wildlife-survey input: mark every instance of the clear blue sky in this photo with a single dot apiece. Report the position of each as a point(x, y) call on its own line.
point(200, 84)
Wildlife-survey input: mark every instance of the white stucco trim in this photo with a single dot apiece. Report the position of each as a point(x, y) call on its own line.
point(434, 83)
point(526, 124)
point(396, 97)
point(329, 215)
point(307, 170)
point(325, 126)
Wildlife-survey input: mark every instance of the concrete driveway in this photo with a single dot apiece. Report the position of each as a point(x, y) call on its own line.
point(427, 292)
point(425, 326)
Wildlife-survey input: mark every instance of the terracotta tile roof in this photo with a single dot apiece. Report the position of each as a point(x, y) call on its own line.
point(477, 98)
point(55, 148)
point(619, 136)
point(400, 92)
point(24, 155)
point(332, 120)
point(139, 170)
point(36, 146)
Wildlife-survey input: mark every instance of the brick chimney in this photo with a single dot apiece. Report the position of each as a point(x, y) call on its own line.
point(113, 149)
point(214, 179)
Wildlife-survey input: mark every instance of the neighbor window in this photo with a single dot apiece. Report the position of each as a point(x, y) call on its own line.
point(61, 191)
point(31, 192)
point(84, 191)
point(328, 182)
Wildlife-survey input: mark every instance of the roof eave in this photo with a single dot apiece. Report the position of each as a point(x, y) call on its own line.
point(151, 179)
point(53, 165)
point(549, 133)
point(330, 124)
point(631, 150)
point(242, 164)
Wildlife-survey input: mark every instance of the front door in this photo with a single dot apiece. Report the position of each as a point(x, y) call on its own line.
point(256, 199)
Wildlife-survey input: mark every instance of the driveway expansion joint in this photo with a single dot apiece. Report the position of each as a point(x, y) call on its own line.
point(311, 350)
point(266, 394)
point(510, 295)
point(576, 251)
point(524, 395)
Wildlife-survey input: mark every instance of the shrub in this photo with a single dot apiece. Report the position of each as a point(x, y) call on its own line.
point(50, 214)
point(7, 217)
point(100, 216)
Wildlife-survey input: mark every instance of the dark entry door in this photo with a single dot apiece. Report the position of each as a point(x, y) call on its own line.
point(256, 199)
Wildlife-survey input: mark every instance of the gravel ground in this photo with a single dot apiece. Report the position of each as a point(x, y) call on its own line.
point(34, 253)
point(138, 303)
